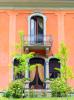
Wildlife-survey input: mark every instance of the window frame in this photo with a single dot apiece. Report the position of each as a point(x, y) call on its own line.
point(44, 25)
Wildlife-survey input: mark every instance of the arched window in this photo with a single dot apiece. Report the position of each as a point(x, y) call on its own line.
point(37, 28)
point(19, 75)
point(54, 63)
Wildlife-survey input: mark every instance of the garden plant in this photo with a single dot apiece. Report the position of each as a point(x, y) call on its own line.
point(60, 86)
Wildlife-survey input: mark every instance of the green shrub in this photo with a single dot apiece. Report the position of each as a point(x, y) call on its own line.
point(59, 88)
point(7, 93)
point(16, 89)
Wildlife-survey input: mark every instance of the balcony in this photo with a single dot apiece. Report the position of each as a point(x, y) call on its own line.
point(38, 42)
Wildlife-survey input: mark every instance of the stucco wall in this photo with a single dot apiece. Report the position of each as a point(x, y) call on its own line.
point(4, 49)
point(59, 23)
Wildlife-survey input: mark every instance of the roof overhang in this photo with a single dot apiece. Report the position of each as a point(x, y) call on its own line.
point(22, 4)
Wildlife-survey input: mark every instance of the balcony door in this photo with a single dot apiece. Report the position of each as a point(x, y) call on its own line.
point(36, 30)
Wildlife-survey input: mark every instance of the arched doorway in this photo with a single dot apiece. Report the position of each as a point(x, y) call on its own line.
point(54, 63)
point(37, 74)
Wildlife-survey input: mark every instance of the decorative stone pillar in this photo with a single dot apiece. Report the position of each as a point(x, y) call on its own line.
point(47, 74)
point(47, 69)
point(27, 60)
point(27, 76)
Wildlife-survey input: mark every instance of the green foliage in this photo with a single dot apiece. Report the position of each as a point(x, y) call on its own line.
point(16, 89)
point(59, 88)
point(22, 66)
point(21, 34)
point(22, 57)
point(32, 93)
point(62, 55)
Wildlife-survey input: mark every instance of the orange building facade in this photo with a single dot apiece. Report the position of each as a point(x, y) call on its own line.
point(57, 25)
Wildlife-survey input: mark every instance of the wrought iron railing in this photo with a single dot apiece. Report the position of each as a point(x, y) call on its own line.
point(38, 40)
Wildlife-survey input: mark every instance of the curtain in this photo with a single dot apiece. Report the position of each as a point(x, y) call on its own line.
point(41, 72)
point(32, 74)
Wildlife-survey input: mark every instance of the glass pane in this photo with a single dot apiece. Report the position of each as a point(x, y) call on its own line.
point(40, 30)
point(36, 35)
point(32, 39)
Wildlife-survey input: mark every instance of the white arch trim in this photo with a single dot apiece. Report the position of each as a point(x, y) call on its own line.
point(51, 57)
point(44, 20)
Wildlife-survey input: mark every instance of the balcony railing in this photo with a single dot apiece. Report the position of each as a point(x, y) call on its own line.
point(38, 41)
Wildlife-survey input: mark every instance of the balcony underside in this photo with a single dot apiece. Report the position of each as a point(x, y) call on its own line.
point(38, 42)
point(37, 46)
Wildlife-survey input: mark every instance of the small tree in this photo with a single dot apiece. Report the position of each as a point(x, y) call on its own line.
point(23, 64)
point(22, 57)
point(65, 70)
point(59, 86)
point(16, 88)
